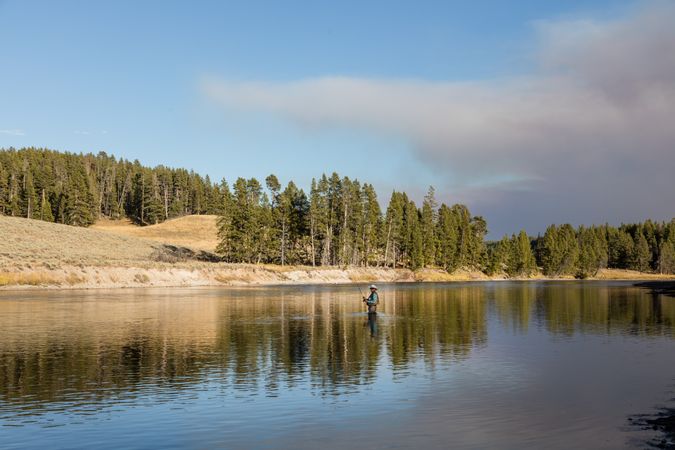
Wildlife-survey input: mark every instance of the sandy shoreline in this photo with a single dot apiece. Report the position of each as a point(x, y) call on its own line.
point(220, 274)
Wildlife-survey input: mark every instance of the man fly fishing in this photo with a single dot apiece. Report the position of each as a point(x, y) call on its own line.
point(372, 300)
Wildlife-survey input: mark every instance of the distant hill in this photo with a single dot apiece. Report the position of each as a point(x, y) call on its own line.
point(198, 232)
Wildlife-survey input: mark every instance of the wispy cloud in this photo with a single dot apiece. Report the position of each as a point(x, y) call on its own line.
point(88, 133)
point(588, 136)
point(13, 132)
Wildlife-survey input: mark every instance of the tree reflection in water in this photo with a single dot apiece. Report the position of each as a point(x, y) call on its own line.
point(58, 350)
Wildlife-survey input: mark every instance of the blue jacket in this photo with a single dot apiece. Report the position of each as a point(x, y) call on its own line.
point(372, 299)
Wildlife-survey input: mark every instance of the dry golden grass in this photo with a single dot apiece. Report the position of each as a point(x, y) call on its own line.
point(622, 274)
point(236, 278)
point(27, 279)
point(362, 277)
point(73, 279)
point(440, 275)
point(26, 242)
point(142, 278)
point(196, 232)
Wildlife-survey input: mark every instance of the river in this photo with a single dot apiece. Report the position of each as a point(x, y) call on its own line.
point(463, 365)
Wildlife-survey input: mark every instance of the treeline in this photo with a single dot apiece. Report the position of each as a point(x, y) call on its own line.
point(582, 252)
point(341, 223)
point(76, 189)
point(338, 223)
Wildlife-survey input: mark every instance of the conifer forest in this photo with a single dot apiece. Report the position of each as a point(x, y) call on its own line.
point(338, 222)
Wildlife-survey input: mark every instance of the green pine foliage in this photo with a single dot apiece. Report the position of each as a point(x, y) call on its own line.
point(499, 256)
point(77, 189)
point(523, 263)
point(667, 257)
point(592, 251)
point(645, 247)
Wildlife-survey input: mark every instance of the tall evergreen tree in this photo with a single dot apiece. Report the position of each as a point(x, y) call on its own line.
point(560, 252)
point(592, 252)
point(428, 224)
point(4, 188)
point(666, 262)
point(45, 211)
point(394, 228)
point(28, 196)
point(641, 254)
point(371, 225)
point(523, 263)
point(447, 232)
point(225, 229)
point(499, 257)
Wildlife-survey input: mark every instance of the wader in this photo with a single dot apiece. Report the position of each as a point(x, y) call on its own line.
point(372, 301)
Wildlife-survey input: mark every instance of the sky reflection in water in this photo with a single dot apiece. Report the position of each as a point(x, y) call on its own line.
point(509, 365)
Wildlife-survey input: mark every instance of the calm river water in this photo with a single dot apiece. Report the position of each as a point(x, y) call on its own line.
point(469, 365)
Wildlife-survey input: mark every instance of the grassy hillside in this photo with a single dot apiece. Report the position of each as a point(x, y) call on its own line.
point(196, 232)
point(27, 243)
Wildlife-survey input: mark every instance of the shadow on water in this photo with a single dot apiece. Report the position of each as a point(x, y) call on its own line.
point(661, 422)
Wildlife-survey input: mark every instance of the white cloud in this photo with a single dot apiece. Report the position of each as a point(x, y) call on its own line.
point(13, 132)
point(592, 129)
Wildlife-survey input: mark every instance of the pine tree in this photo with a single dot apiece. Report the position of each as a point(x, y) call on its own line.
point(14, 205)
point(28, 196)
point(317, 218)
point(641, 253)
point(279, 215)
point(592, 252)
point(620, 249)
point(465, 235)
point(447, 232)
point(560, 252)
point(224, 247)
point(666, 260)
point(428, 225)
point(299, 251)
point(291, 222)
point(523, 259)
point(414, 247)
point(45, 211)
point(371, 225)
point(79, 200)
point(499, 257)
point(394, 231)
point(248, 231)
point(262, 224)
point(477, 249)
point(4, 190)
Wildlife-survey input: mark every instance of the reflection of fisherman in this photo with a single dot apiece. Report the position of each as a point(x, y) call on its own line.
point(372, 300)
point(372, 324)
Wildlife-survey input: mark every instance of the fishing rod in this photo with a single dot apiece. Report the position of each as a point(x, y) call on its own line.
point(361, 292)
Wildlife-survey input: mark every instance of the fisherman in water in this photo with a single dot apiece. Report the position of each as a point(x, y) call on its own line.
point(372, 300)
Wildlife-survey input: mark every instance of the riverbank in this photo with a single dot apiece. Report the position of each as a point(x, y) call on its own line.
point(211, 274)
point(41, 255)
point(199, 273)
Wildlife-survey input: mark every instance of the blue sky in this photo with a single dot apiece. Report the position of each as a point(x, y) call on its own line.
point(128, 78)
